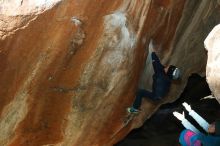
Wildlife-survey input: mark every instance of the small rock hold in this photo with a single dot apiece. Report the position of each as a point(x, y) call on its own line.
point(50, 78)
point(76, 21)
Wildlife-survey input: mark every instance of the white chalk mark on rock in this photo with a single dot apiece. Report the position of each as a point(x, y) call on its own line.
point(76, 21)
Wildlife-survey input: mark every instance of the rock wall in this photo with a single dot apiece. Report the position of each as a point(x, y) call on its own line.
point(70, 68)
point(212, 44)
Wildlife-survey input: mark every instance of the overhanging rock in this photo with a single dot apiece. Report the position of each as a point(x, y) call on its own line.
point(69, 71)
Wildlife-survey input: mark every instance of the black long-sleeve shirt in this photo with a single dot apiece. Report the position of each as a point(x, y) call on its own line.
point(161, 81)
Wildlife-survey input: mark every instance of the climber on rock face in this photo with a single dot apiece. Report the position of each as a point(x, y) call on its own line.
point(161, 81)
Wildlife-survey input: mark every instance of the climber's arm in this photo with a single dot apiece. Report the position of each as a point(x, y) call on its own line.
point(158, 67)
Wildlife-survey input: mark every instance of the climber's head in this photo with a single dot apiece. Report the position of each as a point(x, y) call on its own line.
point(188, 137)
point(214, 128)
point(173, 72)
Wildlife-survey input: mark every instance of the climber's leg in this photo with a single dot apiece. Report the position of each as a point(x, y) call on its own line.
point(141, 93)
point(137, 103)
point(154, 96)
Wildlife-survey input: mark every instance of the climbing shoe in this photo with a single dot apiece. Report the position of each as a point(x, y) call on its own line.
point(132, 110)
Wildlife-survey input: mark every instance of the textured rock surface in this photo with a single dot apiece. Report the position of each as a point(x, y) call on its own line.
point(70, 68)
point(18, 14)
point(212, 44)
point(25, 7)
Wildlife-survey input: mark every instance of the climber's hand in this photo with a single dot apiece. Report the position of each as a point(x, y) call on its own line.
point(151, 46)
point(187, 106)
point(179, 115)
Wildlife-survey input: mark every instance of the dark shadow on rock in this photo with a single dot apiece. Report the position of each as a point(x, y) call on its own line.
point(163, 129)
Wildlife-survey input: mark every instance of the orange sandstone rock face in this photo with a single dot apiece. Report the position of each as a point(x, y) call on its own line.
point(70, 68)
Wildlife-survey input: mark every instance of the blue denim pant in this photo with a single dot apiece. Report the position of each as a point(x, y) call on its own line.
point(144, 93)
